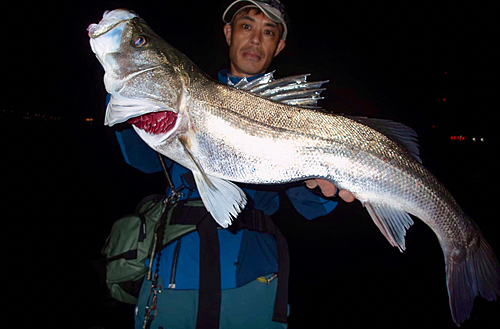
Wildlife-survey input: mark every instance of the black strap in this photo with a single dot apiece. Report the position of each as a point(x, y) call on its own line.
point(258, 221)
point(129, 254)
point(189, 215)
point(209, 294)
point(131, 287)
point(281, 299)
point(254, 220)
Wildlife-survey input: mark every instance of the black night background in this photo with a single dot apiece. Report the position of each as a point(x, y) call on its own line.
point(428, 65)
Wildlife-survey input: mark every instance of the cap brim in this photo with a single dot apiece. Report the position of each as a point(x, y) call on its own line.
point(236, 6)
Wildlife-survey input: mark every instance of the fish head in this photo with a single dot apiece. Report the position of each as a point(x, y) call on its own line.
point(142, 75)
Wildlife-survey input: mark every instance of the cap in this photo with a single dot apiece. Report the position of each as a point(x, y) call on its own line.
point(271, 8)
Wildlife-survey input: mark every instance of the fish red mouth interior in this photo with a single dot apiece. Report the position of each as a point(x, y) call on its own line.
point(155, 123)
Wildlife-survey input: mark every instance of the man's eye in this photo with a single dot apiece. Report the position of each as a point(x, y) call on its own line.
point(246, 26)
point(269, 32)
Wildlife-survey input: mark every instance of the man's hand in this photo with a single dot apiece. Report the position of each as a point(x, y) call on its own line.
point(328, 189)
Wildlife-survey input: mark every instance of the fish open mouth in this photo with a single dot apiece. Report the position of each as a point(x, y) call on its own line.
point(155, 123)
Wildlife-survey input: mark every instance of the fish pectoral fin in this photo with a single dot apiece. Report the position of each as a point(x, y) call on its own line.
point(200, 169)
point(222, 198)
point(392, 222)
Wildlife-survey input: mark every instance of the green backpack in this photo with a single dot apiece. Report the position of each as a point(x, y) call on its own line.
point(133, 239)
point(129, 245)
point(131, 242)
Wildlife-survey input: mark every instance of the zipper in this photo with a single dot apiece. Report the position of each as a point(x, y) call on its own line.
point(175, 260)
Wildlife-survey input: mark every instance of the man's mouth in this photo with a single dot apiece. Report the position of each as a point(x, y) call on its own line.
point(155, 123)
point(252, 55)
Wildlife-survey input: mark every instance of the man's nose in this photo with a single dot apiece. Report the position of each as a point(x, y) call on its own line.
point(256, 38)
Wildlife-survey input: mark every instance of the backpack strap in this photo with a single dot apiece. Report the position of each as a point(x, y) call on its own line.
point(210, 282)
point(209, 293)
point(256, 220)
point(151, 307)
point(140, 211)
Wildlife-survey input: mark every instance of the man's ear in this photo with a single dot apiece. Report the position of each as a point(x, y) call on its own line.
point(281, 45)
point(227, 33)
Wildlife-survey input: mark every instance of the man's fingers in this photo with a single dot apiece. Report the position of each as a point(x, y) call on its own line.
point(327, 188)
point(346, 196)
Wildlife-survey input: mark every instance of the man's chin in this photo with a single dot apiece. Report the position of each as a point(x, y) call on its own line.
point(250, 71)
point(249, 67)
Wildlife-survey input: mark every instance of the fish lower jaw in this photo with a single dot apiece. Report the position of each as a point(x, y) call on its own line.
point(155, 123)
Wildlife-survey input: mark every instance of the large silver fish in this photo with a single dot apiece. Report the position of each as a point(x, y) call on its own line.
point(224, 134)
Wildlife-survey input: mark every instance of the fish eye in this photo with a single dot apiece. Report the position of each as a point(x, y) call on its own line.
point(140, 42)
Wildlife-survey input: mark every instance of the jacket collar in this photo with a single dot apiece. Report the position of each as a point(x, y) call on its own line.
point(225, 76)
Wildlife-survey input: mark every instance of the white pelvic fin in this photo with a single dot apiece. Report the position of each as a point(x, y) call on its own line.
point(222, 198)
point(392, 222)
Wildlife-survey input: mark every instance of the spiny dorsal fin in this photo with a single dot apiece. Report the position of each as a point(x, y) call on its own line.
point(292, 90)
point(245, 85)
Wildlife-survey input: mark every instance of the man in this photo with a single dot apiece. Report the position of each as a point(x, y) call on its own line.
point(248, 289)
point(254, 40)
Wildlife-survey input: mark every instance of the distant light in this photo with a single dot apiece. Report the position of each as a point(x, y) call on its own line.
point(89, 119)
point(457, 138)
point(444, 99)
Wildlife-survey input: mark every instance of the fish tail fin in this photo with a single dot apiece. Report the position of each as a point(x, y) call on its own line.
point(476, 273)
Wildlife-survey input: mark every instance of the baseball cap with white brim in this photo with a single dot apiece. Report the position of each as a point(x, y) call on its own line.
point(271, 8)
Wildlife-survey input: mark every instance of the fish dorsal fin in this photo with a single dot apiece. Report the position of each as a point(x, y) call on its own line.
point(398, 132)
point(293, 90)
point(392, 222)
point(223, 199)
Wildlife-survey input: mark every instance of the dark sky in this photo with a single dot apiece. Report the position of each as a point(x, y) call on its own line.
point(388, 60)
point(392, 56)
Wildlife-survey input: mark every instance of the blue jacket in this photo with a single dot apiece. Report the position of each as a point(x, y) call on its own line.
point(244, 255)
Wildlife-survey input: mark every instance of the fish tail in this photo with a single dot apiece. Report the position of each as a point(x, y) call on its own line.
point(475, 273)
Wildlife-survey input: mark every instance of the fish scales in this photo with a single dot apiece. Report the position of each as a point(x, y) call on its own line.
point(308, 131)
point(313, 135)
point(226, 135)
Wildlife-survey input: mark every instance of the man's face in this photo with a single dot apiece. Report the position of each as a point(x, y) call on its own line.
point(254, 40)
